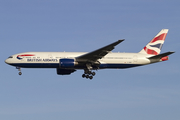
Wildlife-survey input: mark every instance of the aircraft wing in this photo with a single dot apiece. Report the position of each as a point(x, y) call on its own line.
point(98, 54)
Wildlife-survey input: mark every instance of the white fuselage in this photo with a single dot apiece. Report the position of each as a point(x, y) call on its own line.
point(51, 59)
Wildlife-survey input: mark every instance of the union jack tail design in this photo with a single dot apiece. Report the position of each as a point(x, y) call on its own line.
point(155, 45)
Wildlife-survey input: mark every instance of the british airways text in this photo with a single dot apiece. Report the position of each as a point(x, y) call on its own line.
point(40, 60)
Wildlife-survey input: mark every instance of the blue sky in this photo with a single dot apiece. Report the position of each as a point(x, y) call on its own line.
point(147, 92)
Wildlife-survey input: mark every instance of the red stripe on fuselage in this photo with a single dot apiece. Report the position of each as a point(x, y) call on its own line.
point(25, 55)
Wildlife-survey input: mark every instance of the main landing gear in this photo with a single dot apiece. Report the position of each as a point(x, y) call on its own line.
point(19, 69)
point(88, 74)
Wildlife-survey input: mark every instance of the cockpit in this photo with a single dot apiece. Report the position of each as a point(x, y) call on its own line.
point(9, 60)
point(10, 57)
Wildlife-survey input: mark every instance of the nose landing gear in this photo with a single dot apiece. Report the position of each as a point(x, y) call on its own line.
point(19, 69)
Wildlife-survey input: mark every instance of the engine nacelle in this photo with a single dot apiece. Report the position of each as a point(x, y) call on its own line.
point(65, 71)
point(67, 63)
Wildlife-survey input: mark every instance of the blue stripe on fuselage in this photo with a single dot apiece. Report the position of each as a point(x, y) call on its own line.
point(56, 65)
point(36, 65)
point(103, 66)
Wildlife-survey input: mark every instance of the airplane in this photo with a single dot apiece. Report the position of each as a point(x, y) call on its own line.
point(102, 58)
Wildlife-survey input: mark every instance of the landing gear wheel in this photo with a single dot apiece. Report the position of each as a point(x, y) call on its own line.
point(83, 75)
point(20, 73)
point(90, 77)
point(89, 72)
point(93, 73)
point(87, 76)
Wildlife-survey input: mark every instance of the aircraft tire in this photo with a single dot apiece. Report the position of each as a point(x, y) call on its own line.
point(20, 73)
point(93, 73)
point(87, 76)
point(89, 72)
point(83, 75)
point(90, 77)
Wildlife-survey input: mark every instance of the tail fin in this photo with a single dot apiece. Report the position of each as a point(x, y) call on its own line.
point(155, 45)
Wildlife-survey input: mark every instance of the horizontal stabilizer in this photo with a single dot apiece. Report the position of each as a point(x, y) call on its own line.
point(161, 55)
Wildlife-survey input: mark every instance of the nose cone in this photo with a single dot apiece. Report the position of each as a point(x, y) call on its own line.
point(7, 61)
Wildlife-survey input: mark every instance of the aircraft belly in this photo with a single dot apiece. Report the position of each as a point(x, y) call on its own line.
point(36, 65)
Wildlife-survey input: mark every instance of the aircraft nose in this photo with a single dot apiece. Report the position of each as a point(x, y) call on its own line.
point(7, 61)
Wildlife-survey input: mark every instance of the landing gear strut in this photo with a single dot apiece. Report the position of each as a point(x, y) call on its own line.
point(88, 74)
point(88, 71)
point(19, 69)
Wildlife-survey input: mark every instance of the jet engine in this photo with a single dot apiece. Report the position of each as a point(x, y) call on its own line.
point(67, 63)
point(65, 71)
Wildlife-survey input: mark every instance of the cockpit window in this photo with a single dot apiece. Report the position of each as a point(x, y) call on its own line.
point(10, 57)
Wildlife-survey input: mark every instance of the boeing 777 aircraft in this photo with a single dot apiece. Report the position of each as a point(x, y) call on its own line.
point(68, 62)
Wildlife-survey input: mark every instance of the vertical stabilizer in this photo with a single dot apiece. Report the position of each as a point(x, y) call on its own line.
point(155, 45)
